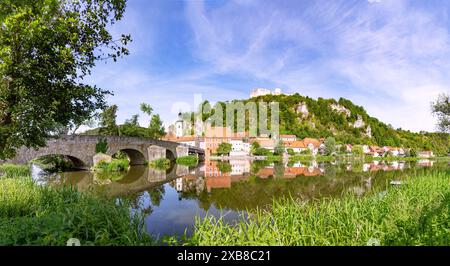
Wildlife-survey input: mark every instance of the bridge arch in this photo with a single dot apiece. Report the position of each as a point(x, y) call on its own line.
point(77, 163)
point(170, 155)
point(136, 157)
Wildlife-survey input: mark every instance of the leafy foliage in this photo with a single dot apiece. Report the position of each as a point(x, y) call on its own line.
point(131, 127)
point(46, 48)
point(101, 146)
point(224, 148)
point(330, 146)
point(322, 121)
point(441, 108)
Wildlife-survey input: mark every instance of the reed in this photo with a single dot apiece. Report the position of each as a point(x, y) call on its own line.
point(41, 215)
point(12, 170)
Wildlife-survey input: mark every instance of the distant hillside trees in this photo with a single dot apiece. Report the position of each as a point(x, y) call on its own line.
point(441, 108)
point(321, 121)
point(330, 146)
point(131, 126)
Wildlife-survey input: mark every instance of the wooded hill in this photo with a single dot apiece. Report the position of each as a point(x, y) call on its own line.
point(346, 122)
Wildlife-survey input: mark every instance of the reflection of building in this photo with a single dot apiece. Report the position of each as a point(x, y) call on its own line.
point(239, 167)
point(179, 184)
point(426, 154)
point(426, 163)
point(190, 182)
point(218, 182)
point(212, 169)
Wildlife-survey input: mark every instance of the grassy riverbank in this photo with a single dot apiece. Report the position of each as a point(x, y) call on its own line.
point(416, 213)
point(40, 215)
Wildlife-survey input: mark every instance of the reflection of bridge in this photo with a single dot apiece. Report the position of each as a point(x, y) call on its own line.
point(136, 180)
point(81, 149)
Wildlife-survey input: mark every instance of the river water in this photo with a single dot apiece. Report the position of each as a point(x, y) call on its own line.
point(172, 199)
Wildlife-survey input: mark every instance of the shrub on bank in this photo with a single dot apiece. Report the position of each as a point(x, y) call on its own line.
point(189, 160)
point(116, 165)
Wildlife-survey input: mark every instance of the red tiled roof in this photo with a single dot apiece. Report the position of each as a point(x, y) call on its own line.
point(294, 144)
point(288, 136)
point(314, 142)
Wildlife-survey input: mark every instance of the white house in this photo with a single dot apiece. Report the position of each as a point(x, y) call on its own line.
point(288, 137)
point(366, 149)
point(426, 154)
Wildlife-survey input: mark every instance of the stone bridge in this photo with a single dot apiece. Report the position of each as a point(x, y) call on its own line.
point(80, 149)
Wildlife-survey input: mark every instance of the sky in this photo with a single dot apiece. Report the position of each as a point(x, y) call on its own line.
point(391, 57)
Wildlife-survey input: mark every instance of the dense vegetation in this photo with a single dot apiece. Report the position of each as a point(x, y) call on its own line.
point(322, 121)
point(41, 215)
point(189, 160)
point(416, 213)
point(47, 47)
point(131, 127)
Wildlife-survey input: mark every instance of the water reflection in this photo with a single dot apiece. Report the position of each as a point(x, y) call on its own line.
point(171, 199)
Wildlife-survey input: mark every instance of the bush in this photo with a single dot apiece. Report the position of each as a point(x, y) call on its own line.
point(189, 160)
point(290, 151)
point(116, 165)
point(101, 146)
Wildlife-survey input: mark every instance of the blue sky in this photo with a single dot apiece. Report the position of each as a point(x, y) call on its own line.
point(392, 57)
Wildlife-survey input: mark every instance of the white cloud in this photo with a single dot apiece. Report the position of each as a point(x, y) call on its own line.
point(389, 56)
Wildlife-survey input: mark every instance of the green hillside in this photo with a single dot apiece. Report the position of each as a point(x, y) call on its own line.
point(346, 122)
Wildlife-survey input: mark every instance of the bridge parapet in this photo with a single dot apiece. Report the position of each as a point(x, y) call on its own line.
point(82, 148)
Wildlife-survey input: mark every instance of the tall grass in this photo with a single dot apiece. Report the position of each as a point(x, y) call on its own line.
point(12, 170)
point(416, 213)
point(41, 215)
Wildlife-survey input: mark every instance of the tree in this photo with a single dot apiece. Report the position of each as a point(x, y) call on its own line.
point(147, 109)
point(131, 127)
point(101, 146)
point(224, 148)
point(413, 153)
point(255, 146)
point(156, 128)
point(358, 150)
point(330, 145)
point(133, 121)
point(279, 148)
point(108, 121)
point(441, 108)
point(47, 47)
point(290, 151)
point(224, 167)
point(343, 149)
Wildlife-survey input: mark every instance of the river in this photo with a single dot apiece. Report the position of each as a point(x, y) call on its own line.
point(172, 199)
